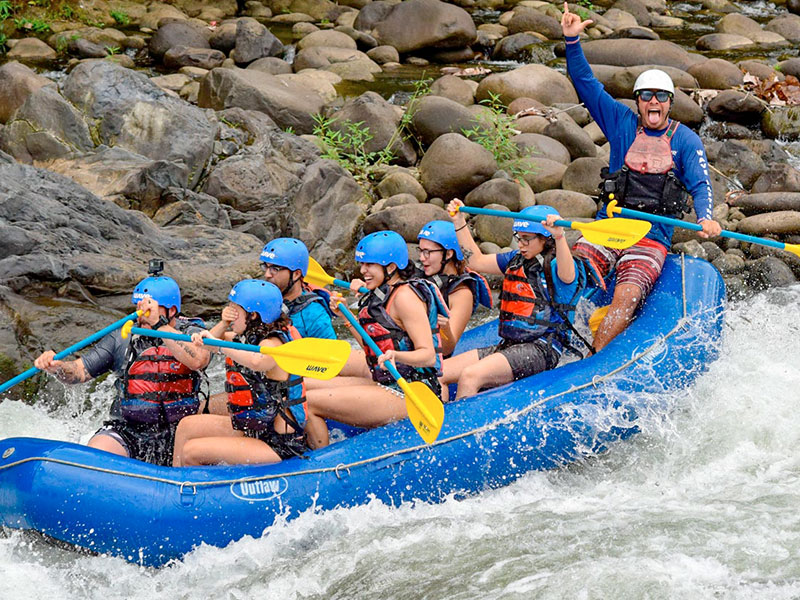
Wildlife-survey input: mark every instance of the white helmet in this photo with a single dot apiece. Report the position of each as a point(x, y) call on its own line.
point(654, 79)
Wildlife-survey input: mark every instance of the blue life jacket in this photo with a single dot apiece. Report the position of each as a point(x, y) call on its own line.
point(254, 400)
point(477, 284)
point(388, 335)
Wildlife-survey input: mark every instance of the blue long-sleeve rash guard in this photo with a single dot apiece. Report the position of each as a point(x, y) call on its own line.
point(619, 124)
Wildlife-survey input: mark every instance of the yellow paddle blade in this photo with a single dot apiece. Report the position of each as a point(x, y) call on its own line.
point(311, 357)
point(597, 318)
point(316, 275)
point(425, 409)
point(793, 248)
point(614, 233)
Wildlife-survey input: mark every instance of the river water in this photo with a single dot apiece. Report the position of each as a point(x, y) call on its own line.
point(702, 504)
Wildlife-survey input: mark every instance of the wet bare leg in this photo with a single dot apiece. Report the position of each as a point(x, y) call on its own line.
point(626, 298)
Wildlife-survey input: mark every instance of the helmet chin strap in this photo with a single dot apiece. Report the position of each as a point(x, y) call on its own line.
point(290, 284)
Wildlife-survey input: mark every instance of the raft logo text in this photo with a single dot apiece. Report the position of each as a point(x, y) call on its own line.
point(258, 491)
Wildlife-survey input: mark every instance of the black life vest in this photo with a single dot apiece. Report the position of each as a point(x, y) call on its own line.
point(647, 182)
point(254, 400)
point(309, 296)
point(156, 387)
point(527, 309)
point(477, 284)
point(388, 335)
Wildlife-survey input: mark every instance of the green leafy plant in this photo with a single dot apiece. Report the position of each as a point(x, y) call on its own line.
point(35, 25)
point(112, 50)
point(120, 17)
point(6, 9)
point(494, 131)
point(3, 45)
point(66, 12)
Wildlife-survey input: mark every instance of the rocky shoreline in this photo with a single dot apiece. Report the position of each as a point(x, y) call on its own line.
point(189, 134)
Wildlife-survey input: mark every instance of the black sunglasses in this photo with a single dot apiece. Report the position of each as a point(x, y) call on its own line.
point(661, 95)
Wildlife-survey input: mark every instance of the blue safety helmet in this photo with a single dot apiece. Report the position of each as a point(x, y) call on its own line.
point(286, 252)
point(162, 289)
point(383, 248)
point(258, 296)
point(444, 234)
point(538, 212)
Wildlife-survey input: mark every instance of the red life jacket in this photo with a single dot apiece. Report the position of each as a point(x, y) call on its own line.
point(388, 335)
point(254, 399)
point(157, 387)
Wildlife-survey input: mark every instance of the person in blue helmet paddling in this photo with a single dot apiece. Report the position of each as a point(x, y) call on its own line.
point(400, 314)
point(266, 412)
point(463, 290)
point(285, 263)
point(158, 381)
point(654, 164)
point(537, 303)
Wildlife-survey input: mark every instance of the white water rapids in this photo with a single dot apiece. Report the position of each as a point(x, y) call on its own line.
point(702, 504)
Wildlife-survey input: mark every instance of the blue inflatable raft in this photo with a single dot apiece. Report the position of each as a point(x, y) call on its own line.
point(151, 515)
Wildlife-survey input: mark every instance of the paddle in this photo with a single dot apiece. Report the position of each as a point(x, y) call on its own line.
point(614, 235)
point(424, 408)
point(309, 357)
point(612, 208)
point(74, 348)
point(316, 275)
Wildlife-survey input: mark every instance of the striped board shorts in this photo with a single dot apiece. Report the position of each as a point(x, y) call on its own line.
point(639, 265)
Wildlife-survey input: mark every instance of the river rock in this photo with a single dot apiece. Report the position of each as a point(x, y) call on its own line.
point(178, 33)
point(636, 8)
point(627, 53)
point(760, 69)
point(729, 264)
point(453, 166)
point(392, 201)
point(767, 202)
point(738, 24)
point(620, 19)
point(330, 207)
point(406, 219)
point(203, 58)
point(717, 74)
point(536, 144)
point(185, 207)
point(433, 116)
point(769, 272)
point(372, 14)
point(382, 120)
point(786, 25)
point(532, 81)
point(327, 38)
point(530, 19)
point(125, 108)
point(781, 122)
point(569, 204)
point(583, 175)
point(570, 134)
point(455, 89)
point(502, 192)
point(736, 106)
point(541, 173)
point(416, 24)
point(401, 182)
point(45, 127)
point(782, 222)
point(270, 64)
point(495, 230)
point(289, 104)
point(523, 47)
point(254, 41)
point(737, 159)
point(17, 82)
point(384, 54)
point(224, 36)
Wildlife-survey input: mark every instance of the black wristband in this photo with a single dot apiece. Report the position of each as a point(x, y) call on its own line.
point(462, 227)
point(161, 322)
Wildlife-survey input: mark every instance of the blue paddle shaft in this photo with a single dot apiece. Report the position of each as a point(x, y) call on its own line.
point(346, 285)
point(72, 349)
point(509, 215)
point(629, 212)
point(182, 337)
point(370, 342)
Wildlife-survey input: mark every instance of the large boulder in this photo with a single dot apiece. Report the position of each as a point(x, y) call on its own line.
point(572, 136)
point(178, 33)
point(453, 166)
point(531, 81)
point(569, 204)
point(433, 116)
point(530, 19)
point(405, 219)
point(630, 52)
point(781, 122)
point(287, 103)
point(736, 106)
point(254, 41)
point(767, 202)
point(17, 82)
point(537, 144)
point(124, 108)
point(381, 119)
point(416, 24)
point(501, 191)
point(717, 74)
point(583, 175)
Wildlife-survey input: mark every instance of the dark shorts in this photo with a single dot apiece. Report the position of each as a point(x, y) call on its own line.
point(285, 445)
point(149, 443)
point(639, 265)
point(524, 359)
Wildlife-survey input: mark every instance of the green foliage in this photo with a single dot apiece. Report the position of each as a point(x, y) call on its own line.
point(3, 40)
point(112, 50)
point(346, 142)
point(66, 12)
point(120, 17)
point(6, 9)
point(35, 25)
point(493, 131)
